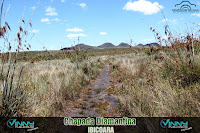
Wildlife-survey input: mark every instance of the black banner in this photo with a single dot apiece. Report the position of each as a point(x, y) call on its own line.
point(142, 125)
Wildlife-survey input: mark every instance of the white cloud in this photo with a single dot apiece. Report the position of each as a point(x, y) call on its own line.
point(62, 1)
point(146, 40)
point(196, 14)
point(56, 19)
point(51, 14)
point(45, 20)
point(143, 6)
point(33, 8)
point(174, 21)
point(165, 20)
point(73, 36)
point(34, 31)
point(82, 5)
point(103, 33)
point(51, 11)
point(75, 30)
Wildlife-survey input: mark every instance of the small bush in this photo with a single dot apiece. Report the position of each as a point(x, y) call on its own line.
point(180, 64)
point(12, 92)
point(184, 74)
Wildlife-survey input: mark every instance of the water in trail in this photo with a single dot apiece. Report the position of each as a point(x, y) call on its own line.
point(98, 101)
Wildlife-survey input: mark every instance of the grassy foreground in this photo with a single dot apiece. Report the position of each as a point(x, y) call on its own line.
point(48, 85)
point(151, 81)
point(161, 84)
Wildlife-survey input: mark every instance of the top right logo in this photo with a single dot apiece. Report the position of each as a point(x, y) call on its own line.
point(185, 7)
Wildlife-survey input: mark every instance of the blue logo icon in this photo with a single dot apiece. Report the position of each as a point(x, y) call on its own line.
point(13, 123)
point(167, 123)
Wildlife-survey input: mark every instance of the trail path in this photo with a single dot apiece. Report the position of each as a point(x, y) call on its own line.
point(98, 100)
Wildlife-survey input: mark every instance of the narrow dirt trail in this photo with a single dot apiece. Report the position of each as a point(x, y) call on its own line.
point(97, 99)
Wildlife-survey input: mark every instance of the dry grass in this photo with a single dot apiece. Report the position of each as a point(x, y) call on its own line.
point(49, 85)
point(161, 81)
point(43, 88)
point(11, 91)
point(145, 92)
point(52, 84)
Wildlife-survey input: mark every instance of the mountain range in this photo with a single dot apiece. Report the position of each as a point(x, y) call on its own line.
point(108, 45)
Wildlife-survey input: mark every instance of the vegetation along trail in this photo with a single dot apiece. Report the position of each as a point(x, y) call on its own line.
point(96, 100)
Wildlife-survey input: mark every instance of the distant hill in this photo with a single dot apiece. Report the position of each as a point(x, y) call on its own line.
point(123, 45)
point(81, 46)
point(152, 44)
point(66, 48)
point(106, 45)
point(140, 45)
point(84, 46)
point(148, 44)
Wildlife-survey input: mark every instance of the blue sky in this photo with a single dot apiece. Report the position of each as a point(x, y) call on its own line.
point(58, 23)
